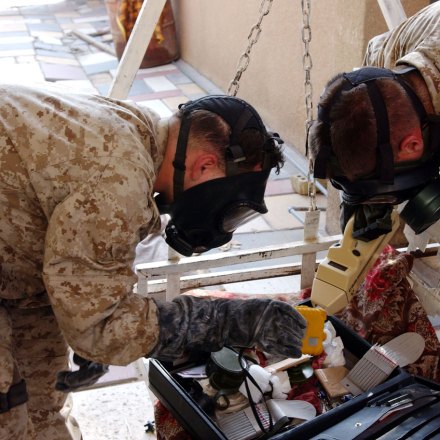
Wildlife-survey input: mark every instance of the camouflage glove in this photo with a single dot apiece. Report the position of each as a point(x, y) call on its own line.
point(188, 323)
point(89, 372)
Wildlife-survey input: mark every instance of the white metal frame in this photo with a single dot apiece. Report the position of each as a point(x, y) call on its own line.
point(157, 277)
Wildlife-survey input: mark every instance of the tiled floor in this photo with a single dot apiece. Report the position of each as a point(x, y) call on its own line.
point(39, 43)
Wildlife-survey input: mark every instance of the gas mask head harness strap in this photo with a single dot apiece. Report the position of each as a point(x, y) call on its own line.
point(206, 215)
point(391, 183)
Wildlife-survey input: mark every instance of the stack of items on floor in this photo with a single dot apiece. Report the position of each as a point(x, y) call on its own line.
point(385, 312)
point(247, 394)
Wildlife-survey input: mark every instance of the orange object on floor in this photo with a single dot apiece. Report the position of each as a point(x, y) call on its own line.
point(163, 47)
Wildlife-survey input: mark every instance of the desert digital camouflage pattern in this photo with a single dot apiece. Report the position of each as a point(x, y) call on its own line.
point(39, 351)
point(76, 197)
point(416, 42)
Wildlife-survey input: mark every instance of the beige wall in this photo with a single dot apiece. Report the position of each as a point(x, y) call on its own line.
point(214, 33)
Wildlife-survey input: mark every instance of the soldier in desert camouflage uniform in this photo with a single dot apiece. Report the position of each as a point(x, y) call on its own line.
point(77, 179)
point(377, 131)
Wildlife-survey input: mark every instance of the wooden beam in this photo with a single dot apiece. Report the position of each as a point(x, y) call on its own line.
point(158, 269)
point(198, 281)
point(393, 12)
point(136, 47)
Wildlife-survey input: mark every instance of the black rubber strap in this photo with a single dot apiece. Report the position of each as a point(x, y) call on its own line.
point(180, 156)
point(385, 165)
point(17, 395)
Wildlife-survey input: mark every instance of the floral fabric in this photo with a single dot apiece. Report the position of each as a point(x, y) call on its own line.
point(385, 306)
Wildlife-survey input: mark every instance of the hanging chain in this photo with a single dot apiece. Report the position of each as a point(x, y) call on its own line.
point(306, 34)
point(245, 58)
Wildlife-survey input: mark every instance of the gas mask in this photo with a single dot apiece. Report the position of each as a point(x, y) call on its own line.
point(370, 199)
point(205, 216)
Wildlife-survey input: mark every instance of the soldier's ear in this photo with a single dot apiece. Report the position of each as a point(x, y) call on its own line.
point(203, 166)
point(411, 147)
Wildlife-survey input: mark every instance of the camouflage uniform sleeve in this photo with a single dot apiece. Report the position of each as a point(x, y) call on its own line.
point(415, 42)
point(373, 54)
point(89, 252)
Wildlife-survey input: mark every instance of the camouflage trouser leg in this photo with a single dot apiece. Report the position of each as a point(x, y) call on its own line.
point(39, 351)
point(14, 423)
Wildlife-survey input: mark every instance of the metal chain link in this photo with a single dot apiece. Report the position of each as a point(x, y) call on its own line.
point(306, 35)
point(245, 58)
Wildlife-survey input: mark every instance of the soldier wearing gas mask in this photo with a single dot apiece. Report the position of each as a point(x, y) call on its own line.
point(377, 136)
point(78, 177)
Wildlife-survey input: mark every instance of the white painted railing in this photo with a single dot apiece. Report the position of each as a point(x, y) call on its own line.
point(168, 278)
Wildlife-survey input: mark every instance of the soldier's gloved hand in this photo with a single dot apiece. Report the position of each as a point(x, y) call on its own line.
point(89, 372)
point(188, 323)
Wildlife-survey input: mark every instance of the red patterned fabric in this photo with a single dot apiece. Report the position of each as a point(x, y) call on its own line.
point(167, 427)
point(308, 392)
point(385, 306)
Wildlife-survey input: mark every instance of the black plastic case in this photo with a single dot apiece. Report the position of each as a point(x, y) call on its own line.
point(201, 427)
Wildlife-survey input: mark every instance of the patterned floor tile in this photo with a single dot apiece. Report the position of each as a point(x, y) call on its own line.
point(21, 74)
point(158, 95)
point(13, 27)
point(77, 86)
point(148, 73)
point(257, 225)
point(101, 78)
point(6, 10)
point(191, 89)
point(64, 20)
point(41, 10)
point(13, 34)
point(165, 67)
point(159, 83)
point(279, 186)
point(60, 54)
point(54, 72)
point(5, 61)
point(45, 34)
point(92, 19)
point(26, 59)
point(103, 88)
point(57, 60)
point(58, 48)
point(18, 47)
point(95, 58)
point(48, 39)
point(44, 27)
point(178, 78)
point(10, 19)
point(173, 103)
point(16, 52)
point(100, 67)
point(33, 20)
point(85, 28)
point(158, 106)
point(139, 87)
point(16, 40)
